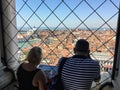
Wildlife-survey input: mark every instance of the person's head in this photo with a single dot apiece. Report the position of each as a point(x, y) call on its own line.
point(35, 55)
point(82, 47)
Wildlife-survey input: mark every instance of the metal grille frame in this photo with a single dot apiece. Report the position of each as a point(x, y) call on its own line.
point(52, 32)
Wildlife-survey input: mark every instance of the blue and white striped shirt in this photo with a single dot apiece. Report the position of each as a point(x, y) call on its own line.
point(78, 73)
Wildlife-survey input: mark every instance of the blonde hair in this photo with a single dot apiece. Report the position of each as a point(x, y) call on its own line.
point(35, 55)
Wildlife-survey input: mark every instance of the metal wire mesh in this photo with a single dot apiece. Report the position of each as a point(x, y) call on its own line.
point(56, 37)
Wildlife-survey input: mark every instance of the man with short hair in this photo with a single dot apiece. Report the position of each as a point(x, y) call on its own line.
point(79, 71)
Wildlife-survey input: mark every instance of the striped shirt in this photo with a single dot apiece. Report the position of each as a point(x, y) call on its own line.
point(78, 73)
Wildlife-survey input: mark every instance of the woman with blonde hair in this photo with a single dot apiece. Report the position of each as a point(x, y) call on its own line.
point(28, 75)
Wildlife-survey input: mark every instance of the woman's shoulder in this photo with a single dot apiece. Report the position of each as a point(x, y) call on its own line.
point(39, 80)
point(40, 76)
point(40, 73)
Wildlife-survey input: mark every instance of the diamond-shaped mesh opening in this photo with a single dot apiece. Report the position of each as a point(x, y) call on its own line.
point(55, 26)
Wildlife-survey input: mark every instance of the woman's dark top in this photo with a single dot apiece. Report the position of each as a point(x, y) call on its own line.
point(25, 79)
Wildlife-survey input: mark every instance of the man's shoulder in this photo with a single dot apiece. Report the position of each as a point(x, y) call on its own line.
point(94, 61)
point(63, 58)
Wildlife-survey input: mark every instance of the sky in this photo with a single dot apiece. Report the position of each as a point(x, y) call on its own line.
point(35, 12)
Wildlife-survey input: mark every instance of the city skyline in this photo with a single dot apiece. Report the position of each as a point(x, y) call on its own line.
point(83, 11)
